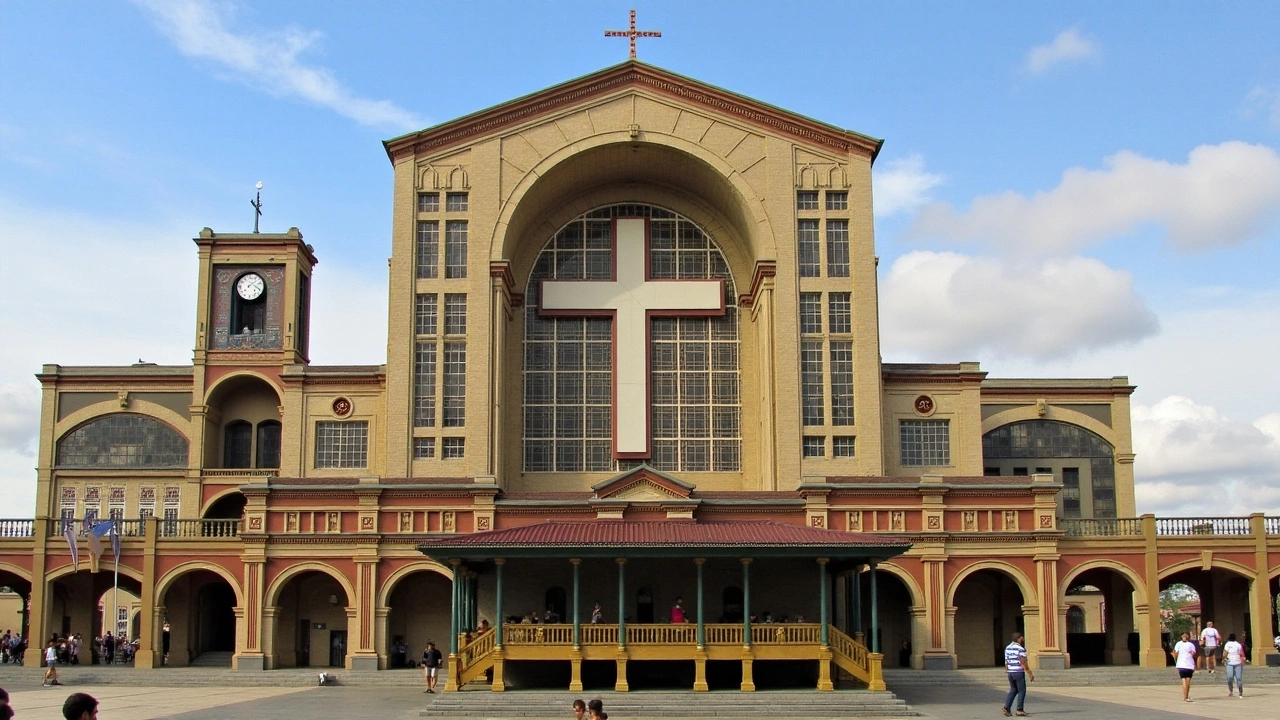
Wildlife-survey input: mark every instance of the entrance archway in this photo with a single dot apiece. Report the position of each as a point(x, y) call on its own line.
point(311, 621)
point(988, 607)
point(1105, 631)
point(200, 616)
point(894, 600)
point(417, 611)
point(84, 603)
point(1224, 599)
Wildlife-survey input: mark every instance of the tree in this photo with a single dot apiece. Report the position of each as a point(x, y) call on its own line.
point(1172, 619)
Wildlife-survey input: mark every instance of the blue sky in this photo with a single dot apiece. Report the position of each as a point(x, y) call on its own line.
point(1066, 189)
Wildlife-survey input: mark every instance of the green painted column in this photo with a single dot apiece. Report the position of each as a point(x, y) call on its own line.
point(822, 598)
point(455, 605)
point(497, 603)
point(857, 599)
point(577, 608)
point(622, 602)
point(464, 611)
point(746, 601)
point(875, 613)
point(702, 625)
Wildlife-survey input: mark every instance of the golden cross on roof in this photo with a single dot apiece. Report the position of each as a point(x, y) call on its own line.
point(633, 34)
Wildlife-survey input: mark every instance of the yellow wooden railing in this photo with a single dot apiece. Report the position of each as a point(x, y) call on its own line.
point(475, 656)
point(854, 658)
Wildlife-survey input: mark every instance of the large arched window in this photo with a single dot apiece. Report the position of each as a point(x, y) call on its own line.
point(695, 415)
point(1082, 461)
point(123, 440)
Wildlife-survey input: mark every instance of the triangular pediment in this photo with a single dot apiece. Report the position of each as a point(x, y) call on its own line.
point(643, 78)
point(643, 484)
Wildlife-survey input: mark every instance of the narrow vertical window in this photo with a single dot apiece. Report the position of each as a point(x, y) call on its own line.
point(269, 444)
point(237, 445)
point(426, 312)
point(428, 249)
point(837, 248)
point(424, 385)
point(839, 315)
point(455, 249)
point(454, 409)
point(810, 312)
point(841, 383)
point(808, 251)
point(455, 314)
point(811, 381)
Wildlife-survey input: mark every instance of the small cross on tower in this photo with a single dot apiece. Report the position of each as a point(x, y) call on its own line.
point(633, 34)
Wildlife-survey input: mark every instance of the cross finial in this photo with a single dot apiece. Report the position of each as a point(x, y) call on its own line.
point(633, 34)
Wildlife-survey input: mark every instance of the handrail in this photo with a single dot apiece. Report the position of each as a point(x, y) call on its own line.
point(1101, 527)
point(15, 528)
point(206, 527)
point(854, 658)
point(1204, 526)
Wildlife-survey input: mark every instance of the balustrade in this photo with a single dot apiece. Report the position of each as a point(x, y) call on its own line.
point(1101, 527)
point(1203, 526)
point(17, 528)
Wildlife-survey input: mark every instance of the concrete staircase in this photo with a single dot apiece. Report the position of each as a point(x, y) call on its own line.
point(667, 704)
point(1108, 676)
point(218, 659)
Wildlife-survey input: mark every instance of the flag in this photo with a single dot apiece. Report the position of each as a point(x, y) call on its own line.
point(115, 542)
point(95, 536)
point(69, 532)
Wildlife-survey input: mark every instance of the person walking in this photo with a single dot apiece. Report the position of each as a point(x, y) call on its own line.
point(51, 661)
point(431, 661)
point(1233, 655)
point(1184, 656)
point(1015, 665)
point(1210, 639)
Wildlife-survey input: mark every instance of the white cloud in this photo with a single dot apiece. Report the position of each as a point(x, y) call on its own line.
point(947, 307)
point(1068, 46)
point(269, 60)
point(1194, 460)
point(903, 186)
point(1223, 195)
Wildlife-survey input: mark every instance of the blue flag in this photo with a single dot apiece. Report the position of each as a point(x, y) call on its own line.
point(96, 532)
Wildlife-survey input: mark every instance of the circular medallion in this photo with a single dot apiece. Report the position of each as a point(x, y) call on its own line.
point(250, 286)
point(923, 405)
point(342, 407)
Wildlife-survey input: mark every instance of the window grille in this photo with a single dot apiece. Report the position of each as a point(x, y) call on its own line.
point(428, 249)
point(342, 444)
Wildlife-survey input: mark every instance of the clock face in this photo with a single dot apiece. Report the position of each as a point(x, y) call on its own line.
point(250, 286)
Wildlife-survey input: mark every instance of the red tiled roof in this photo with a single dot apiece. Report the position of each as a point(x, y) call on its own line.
point(672, 534)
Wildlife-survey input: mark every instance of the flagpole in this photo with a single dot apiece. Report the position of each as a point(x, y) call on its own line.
point(115, 598)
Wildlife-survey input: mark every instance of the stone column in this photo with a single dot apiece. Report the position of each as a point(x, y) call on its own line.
point(938, 618)
point(255, 627)
point(149, 652)
point(39, 618)
point(454, 677)
point(1152, 654)
point(1049, 654)
point(1261, 604)
point(364, 652)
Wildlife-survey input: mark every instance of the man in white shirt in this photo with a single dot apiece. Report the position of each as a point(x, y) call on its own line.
point(1209, 641)
point(1015, 665)
point(1233, 655)
point(1184, 655)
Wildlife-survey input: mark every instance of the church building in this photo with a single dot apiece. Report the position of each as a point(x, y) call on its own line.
point(633, 424)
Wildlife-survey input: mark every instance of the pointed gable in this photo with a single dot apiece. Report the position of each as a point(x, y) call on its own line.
point(634, 75)
point(643, 484)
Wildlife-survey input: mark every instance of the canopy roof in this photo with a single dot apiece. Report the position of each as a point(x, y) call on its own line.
point(657, 538)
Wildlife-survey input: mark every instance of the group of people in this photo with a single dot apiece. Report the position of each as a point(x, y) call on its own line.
point(78, 706)
point(12, 647)
point(593, 710)
point(1188, 657)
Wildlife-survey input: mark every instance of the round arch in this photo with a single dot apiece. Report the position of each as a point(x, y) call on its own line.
point(68, 570)
point(20, 572)
point(1125, 571)
point(1060, 414)
point(103, 409)
point(756, 227)
point(913, 588)
point(204, 508)
point(389, 585)
point(176, 572)
point(1015, 574)
point(216, 388)
point(1242, 570)
point(277, 584)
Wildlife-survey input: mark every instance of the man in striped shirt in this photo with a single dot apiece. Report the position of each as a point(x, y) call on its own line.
point(1015, 664)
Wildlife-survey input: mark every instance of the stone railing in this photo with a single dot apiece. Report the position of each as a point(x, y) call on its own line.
point(1204, 526)
point(241, 472)
point(1101, 527)
point(17, 528)
point(207, 528)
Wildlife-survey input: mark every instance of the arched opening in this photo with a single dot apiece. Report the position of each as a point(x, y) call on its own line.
point(1081, 460)
point(311, 622)
point(1217, 595)
point(1102, 626)
point(87, 604)
point(200, 617)
point(247, 431)
point(15, 593)
point(227, 507)
point(418, 611)
point(988, 611)
point(893, 615)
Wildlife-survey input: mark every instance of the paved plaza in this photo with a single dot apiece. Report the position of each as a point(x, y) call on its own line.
point(949, 700)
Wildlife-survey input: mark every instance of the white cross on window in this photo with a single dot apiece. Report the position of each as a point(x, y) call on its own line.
point(631, 298)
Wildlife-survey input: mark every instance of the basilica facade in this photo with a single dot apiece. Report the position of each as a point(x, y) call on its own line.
point(633, 358)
